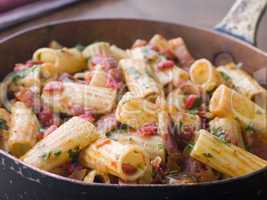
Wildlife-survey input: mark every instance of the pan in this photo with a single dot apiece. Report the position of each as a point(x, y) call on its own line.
point(233, 38)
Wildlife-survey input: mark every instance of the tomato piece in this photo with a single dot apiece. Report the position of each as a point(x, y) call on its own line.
point(148, 130)
point(166, 64)
point(129, 169)
point(193, 101)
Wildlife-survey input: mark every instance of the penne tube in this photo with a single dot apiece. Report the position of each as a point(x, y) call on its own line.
point(97, 49)
point(96, 177)
point(153, 145)
point(243, 83)
point(62, 145)
point(227, 129)
point(136, 112)
point(226, 102)
point(225, 158)
point(203, 73)
point(23, 130)
point(95, 99)
point(62, 60)
point(137, 79)
point(159, 42)
point(98, 77)
point(127, 161)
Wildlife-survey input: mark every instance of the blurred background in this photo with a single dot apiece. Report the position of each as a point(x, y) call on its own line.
point(203, 13)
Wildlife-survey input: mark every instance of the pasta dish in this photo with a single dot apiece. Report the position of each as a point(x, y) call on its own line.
point(150, 114)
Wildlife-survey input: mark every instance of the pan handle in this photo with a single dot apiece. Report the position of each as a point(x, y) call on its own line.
point(243, 19)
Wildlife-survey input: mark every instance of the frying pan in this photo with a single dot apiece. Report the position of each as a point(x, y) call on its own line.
point(19, 181)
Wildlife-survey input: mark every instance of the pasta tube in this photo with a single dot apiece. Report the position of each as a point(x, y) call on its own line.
point(226, 102)
point(225, 158)
point(96, 99)
point(153, 145)
point(203, 73)
point(23, 129)
point(97, 49)
point(160, 43)
point(98, 77)
point(244, 84)
point(127, 161)
point(62, 60)
point(227, 129)
point(118, 53)
point(136, 112)
point(62, 144)
point(137, 80)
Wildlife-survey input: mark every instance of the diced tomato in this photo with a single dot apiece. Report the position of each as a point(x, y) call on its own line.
point(139, 43)
point(54, 86)
point(88, 116)
point(191, 100)
point(148, 130)
point(128, 169)
point(105, 61)
point(166, 64)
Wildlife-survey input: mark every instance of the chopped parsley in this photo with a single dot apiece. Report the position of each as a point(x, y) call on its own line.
point(225, 76)
point(57, 153)
point(47, 156)
point(207, 155)
point(219, 133)
point(74, 153)
point(24, 73)
point(3, 124)
point(189, 147)
point(161, 146)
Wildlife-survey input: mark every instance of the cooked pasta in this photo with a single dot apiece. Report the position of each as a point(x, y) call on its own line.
point(149, 114)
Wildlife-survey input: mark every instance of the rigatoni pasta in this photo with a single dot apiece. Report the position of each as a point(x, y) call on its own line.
point(148, 114)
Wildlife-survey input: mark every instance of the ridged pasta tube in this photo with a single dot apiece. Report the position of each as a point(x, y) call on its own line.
point(95, 99)
point(137, 79)
point(226, 102)
point(202, 72)
point(62, 60)
point(97, 49)
point(98, 77)
point(127, 161)
point(225, 158)
point(23, 129)
point(61, 145)
point(244, 84)
point(136, 112)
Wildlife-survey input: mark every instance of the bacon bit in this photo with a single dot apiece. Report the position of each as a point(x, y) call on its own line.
point(105, 61)
point(47, 117)
point(148, 130)
point(88, 116)
point(54, 86)
point(190, 101)
point(139, 43)
point(128, 169)
point(28, 98)
point(102, 142)
point(166, 64)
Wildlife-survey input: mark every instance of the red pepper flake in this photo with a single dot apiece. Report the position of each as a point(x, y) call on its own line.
point(102, 142)
point(106, 61)
point(148, 130)
point(192, 101)
point(166, 64)
point(128, 169)
point(54, 86)
point(87, 115)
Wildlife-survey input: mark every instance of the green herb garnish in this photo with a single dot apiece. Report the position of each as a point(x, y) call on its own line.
point(225, 76)
point(57, 153)
point(74, 154)
point(219, 133)
point(24, 73)
point(249, 129)
point(47, 156)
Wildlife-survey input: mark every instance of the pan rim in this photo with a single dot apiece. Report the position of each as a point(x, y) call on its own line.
point(77, 182)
